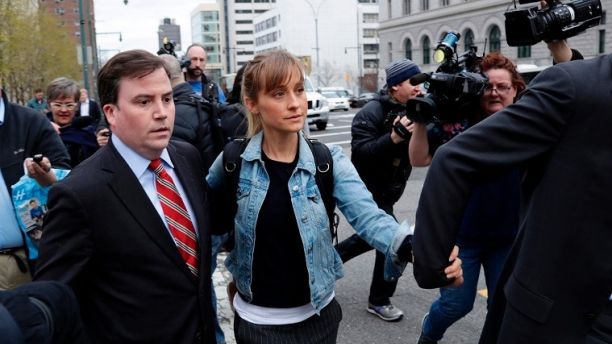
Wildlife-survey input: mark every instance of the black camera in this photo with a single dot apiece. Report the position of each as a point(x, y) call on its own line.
point(528, 26)
point(454, 90)
point(167, 47)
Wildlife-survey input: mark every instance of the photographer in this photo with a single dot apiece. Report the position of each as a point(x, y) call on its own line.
point(380, 134)
point(490, 220)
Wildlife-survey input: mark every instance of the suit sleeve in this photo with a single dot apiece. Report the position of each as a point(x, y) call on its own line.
point(509, 138)
point(66, 244)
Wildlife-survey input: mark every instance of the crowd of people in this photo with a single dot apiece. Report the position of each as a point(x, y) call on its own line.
point(518, 187)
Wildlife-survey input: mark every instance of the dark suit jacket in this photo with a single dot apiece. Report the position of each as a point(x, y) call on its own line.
point(94, 110)
point(104, 237)
point(559, 273)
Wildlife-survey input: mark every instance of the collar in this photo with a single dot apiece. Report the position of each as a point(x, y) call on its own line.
point(1, 111)
point(137, 163)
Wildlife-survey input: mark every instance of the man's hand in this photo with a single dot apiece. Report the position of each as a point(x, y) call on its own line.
point(406, 123)
point(40, 171)
point(454, 270)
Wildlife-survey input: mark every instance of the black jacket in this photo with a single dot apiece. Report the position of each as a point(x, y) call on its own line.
point(194, 128)
point(383, 166)
point(24, 133)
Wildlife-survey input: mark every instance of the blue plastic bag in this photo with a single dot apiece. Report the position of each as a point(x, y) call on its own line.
point(30, 204)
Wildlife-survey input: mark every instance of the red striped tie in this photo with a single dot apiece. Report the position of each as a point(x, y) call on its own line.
point(176, 214)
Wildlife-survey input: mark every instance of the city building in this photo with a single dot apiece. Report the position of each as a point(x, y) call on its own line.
point(239, 45)
point(207, 23)
point(82, 28)
point(412, 29)
point(170, 30)
point(338, 50)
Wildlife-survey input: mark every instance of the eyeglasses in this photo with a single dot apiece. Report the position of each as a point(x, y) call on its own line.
point(59, 106)
point(500, 89)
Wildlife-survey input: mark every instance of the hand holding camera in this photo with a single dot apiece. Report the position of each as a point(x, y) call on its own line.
point(39, 168)
point(402, 129)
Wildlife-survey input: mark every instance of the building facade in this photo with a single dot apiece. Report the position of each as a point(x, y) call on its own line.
point(336, 39)
point(412, 29)
point(170, 30)
point(207, 23)
point(239, 30)
point(82, 28)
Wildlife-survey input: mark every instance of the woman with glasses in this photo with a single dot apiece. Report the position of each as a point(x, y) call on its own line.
point(77, 133)
point(490, 222)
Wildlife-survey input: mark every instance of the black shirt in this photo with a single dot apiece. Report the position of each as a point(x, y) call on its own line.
point(280, 277)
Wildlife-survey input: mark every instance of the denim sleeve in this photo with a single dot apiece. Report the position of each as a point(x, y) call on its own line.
point(215, 174)
point(372, 224)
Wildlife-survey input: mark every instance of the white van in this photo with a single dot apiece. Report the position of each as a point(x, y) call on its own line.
point(318, 111)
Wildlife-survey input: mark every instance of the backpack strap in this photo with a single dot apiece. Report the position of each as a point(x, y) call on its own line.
point(232, 162)
point(325, 182)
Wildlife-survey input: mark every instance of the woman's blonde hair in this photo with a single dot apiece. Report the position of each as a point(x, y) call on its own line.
point(264, 73)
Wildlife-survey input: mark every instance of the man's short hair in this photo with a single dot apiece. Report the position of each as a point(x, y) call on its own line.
point(129, 64)
point(195, 45)
point(62, 88)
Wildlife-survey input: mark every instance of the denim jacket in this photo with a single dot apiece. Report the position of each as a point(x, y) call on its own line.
point(323, 263)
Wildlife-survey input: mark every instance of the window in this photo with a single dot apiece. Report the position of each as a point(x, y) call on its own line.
point(369, 33)
point(495, 39)
point(244, 11)
point(370, 17)
point(426, 44)
point(390, 51)
point(244, 32)
point(406, 7)
point(243, 1)
point(260, 11)
point(244, 22)
point(60, 11)
point(389, 9)
point(524, 51)
point(244, 42)
point(444, 3)
point(244, 53)
point(370, 63)
point(424, 5)
point(370, 48)
point(468, 40)
point(602, 41)
point(408, 48)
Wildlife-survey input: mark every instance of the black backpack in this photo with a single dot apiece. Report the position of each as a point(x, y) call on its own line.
point(227, 121)
point(232, 162)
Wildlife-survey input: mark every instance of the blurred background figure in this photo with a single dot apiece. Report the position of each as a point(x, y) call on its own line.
point(88, 107)
point(77, 133)
point(38, 103)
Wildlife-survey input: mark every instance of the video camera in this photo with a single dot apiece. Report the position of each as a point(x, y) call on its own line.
point(454, 90)
point(556, 21)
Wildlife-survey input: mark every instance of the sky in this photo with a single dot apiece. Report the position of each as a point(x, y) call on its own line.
point(138, 22)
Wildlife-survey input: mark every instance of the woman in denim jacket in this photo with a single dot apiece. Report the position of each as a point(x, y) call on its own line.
point(283, 262)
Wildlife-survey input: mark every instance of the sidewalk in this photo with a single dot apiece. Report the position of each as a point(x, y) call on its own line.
point(225, 314)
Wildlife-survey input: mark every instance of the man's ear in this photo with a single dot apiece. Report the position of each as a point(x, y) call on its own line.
point(110, 111)
point(251, 105)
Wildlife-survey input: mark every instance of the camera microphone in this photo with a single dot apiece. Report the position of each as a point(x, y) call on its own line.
point(420, 78)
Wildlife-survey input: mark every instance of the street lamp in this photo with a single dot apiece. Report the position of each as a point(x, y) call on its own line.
point(316, 20)
point(84, 59)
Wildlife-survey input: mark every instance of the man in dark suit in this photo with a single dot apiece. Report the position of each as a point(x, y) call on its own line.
point(88, 106)
point(129, 228)
point(557, 282)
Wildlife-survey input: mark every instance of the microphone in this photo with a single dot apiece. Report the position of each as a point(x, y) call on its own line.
point(420, 78)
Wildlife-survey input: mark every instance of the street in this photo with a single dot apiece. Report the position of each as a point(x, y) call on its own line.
point(359, 326)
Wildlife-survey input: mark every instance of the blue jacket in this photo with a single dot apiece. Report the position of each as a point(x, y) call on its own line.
point(323, 263)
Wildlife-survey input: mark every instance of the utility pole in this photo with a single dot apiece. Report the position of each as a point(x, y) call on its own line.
point(84, 58)
point(316, 20)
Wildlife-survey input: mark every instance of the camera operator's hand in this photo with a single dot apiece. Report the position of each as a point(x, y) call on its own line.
point(401, 130)
point(454, 270)
point(102, 137)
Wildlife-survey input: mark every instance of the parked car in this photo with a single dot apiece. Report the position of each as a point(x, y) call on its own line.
point(362, 99)
point(318, 111)
point(335, 101)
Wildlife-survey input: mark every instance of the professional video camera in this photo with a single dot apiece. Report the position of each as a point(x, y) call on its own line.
point(453, 90)
point(167, 47)
point(555, 21)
